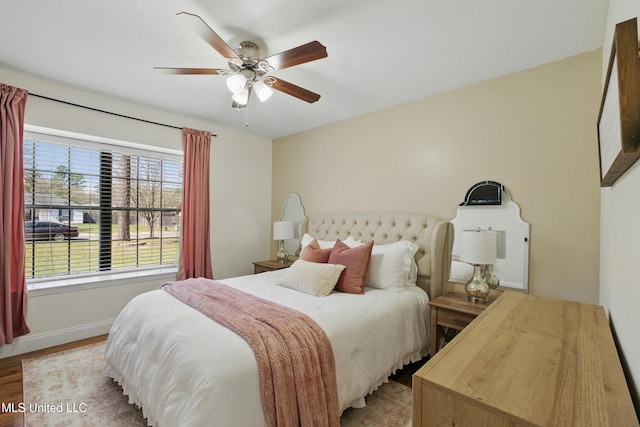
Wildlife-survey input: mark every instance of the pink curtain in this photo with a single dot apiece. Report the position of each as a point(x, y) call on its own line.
point(194, 258)
point(13, 294)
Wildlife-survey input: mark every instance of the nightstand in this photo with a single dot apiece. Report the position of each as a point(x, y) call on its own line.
point(270, 265)
point(451, 313)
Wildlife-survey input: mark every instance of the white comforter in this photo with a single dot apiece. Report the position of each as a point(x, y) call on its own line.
point(184, 369)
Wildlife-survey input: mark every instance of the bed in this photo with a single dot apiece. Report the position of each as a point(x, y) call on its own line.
point(184, 369)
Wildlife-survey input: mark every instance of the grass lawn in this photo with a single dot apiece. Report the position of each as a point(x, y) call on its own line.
point(81, 255)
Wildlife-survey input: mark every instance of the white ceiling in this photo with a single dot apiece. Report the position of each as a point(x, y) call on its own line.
point(381, 52)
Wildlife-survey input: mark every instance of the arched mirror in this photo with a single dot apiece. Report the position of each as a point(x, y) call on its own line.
point(488, 205)
point(293, 211)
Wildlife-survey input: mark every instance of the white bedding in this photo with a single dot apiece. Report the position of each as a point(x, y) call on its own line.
point(184, 369)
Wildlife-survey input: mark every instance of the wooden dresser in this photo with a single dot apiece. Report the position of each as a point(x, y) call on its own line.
point(526, 361)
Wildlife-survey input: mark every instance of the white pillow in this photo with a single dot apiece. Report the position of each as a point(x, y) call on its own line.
point(352, 242)
point(413, 272)
point(312, 278)
point(325, 244)
point(391, 264)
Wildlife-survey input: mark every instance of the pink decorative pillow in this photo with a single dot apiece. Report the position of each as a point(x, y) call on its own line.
point(356, 261)
point(314, 253)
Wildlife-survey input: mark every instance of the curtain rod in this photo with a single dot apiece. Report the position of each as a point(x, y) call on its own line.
point(108, 112)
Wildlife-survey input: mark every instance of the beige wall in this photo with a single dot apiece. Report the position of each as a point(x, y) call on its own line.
point(620, 240)
point(533, 131)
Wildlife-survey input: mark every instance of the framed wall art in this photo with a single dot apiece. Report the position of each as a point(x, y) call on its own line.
point(619, 118)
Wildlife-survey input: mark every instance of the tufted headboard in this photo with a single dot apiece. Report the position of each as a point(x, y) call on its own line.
point(430, 233)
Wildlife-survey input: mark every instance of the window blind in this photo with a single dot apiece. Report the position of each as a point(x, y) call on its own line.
point(94, 207)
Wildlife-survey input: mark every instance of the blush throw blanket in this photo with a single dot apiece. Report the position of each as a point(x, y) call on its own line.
point(294, 355)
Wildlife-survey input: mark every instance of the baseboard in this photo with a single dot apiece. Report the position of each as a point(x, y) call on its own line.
point(29, 343)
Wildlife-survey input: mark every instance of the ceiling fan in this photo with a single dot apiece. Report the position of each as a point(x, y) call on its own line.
point(248, 72)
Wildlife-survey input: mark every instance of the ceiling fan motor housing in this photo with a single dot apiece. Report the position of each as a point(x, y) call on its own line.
point(248, 60)
point(248, 50)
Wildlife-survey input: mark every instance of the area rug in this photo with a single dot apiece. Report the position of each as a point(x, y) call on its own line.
point(69, 389)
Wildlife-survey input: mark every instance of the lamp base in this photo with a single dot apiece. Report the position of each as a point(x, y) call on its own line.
point(282, 256)
point(477, 289)
point(489, 277)
point(477, 299)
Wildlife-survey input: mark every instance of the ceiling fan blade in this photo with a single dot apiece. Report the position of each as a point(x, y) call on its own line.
point(296, 91)
point(298, 55)
point(170, 70)
point(201, 28)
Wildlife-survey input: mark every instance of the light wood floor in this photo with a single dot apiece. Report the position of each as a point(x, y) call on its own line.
point(11, 378)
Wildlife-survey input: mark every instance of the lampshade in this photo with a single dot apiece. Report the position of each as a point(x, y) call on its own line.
point(282, 230)
point(263, 91)
point(478, 246)
point(236, 83)
point(242, 97)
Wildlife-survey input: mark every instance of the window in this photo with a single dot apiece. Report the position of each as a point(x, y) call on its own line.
point(93, 207)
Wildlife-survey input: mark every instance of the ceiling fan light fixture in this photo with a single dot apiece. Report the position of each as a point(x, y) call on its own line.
point(242, 97)
point(236, 83)
point(247, 69)
point(263, 91)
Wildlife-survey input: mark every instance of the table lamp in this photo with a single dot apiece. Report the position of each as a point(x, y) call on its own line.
point(282, 230)
point(478, 248)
